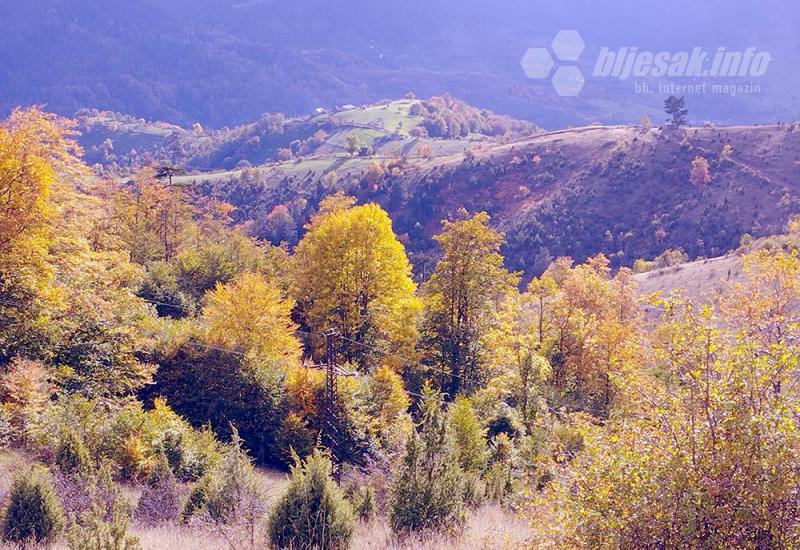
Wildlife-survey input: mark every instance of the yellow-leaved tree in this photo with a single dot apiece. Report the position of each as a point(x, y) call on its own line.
point(152, 218)
point(709, 456)
point(590, 330)
point(351, 274)
point(461, 301)
point(251, 315)
point(36, 153)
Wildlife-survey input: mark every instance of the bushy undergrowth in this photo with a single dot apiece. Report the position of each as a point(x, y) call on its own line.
point(33, 512)
point(428, 492)
point(313, 512)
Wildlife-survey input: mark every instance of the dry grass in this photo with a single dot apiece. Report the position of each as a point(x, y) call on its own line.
point(490, 526)
point(174, 537)
point(699, 280)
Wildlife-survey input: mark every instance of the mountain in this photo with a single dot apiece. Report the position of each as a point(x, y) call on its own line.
point(224, 62)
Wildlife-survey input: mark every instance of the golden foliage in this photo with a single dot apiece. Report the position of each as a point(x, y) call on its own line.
point(351, 274)
point(699, 172)
point(462, 297)
point(251, 315)
point(709, 455)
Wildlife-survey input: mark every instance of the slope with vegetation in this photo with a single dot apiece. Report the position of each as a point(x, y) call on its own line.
point(153, 353)
point(627, 191)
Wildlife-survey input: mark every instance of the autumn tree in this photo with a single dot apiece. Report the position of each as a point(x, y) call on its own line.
point(278, 226)
point(329, 179)
point(37, 155)
point(167, 171)
point(153, 217)
point(375, 174)
point(514, 372)
point(517, 369)
point(595, 327)
point(251, 315)
point(540, 296)
point(102, 338)
point(24, 391)
point(468, 437)
point(98, 359)
point(353, 144)
point(708, 455)
point(461, 297)
point(388, 407)
point(351, 275)
point(221, 257)
point(699, 175)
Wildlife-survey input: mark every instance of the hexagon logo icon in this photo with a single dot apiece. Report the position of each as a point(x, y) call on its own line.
point(537, 63)
point(568, 45)
point(568, 81)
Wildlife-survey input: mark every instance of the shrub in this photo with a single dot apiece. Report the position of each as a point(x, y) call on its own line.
point(469, 439)
point(312, 513)
point(33, 511)
point(228, 494)
point(296, 436)
point(474, 490)
point(499, 476)
point(6, 426)
point(24, 391)
point(104, 524)
point(126, 435)
point(189, 454)
point(159, 501)
point(131, 456)
point(699, 174)
point(172, 447)
point(71, 456)
point(235, 492)
point(429, 492)
point(198, 498)
point(569, 442)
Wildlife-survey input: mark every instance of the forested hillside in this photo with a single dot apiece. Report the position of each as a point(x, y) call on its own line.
point(629, 192)
point(157, 355)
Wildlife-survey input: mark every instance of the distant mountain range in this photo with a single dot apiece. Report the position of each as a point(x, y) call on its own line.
point(225, 62)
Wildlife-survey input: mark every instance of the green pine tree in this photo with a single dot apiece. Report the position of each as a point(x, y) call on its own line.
point(312, 513)
point(33, 512)
point(429, 492)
